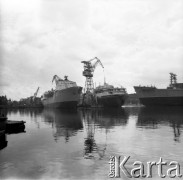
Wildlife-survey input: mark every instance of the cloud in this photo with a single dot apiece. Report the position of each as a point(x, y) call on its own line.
point(135, 40)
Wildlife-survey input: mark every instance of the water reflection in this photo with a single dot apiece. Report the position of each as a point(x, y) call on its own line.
point(105, 118)
point(77, 144)
point(157, 116)
point(29, 112)
point(66, 123)
point(95, 119)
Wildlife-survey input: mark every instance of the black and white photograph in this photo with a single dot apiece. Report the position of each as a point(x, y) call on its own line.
point(91, 89)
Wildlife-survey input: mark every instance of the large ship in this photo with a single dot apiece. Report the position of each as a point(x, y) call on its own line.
point(65, 95)
point(110, 96)
point(152, 96)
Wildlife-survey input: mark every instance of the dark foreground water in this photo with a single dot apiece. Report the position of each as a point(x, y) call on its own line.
point(78, 144)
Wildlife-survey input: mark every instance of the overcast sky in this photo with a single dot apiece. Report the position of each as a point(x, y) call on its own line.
point(138, 42)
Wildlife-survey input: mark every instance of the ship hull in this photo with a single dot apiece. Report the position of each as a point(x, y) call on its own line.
point(111, 100)
point(159, 97)
point(71, 104)
point(66, 98)
point(162, 101)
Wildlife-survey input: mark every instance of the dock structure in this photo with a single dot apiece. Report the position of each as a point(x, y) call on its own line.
point(14, 126)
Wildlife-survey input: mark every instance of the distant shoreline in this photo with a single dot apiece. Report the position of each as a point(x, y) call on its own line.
point(18, 107)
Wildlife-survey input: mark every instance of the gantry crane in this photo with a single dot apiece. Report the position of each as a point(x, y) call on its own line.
point(89, 68)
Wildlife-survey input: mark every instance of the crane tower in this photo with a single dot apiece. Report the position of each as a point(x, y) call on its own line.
point(89, 69)
point(173, 79)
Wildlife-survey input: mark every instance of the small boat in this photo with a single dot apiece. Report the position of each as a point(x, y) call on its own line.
point(15, 126)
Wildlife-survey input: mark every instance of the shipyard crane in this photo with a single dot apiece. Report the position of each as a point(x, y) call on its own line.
point(35, 94)
point(56, 79)
point(173, 79)
point(89, 69)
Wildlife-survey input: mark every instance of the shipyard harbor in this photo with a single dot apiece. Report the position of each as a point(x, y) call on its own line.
point(91, 90)
point(74, 132)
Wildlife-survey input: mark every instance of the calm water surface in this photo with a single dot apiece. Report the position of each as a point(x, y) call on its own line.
point(61, 144)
